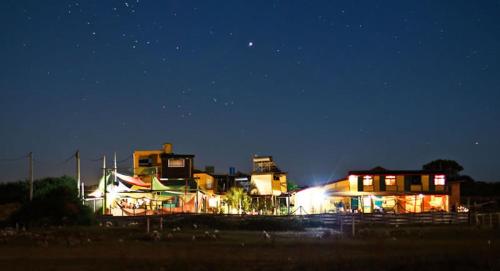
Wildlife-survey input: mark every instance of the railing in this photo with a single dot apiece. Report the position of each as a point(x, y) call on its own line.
point(486, 219)
point(433, 218)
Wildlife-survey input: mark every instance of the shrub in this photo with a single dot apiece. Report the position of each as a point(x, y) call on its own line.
point(55, 202)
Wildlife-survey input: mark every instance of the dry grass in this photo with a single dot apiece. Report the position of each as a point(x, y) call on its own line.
point(119, 248)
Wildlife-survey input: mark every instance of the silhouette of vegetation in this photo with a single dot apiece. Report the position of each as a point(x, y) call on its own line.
point(55, 202)
point(14, 192)
point(450, 167)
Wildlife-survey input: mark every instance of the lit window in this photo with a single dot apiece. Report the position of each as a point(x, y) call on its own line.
point(439, 180)
point(172, 162)
point(210, 183)
point(367, 180)
point(390, 180)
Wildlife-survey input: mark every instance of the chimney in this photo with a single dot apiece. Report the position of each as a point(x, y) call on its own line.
point(167, 148)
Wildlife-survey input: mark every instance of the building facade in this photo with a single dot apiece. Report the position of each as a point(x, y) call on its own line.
point(380, 190)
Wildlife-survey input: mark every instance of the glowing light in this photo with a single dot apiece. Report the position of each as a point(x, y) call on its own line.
point(311, 200)
point(212, 202)
point(250, 44)
point(390, 180)
point(439, 180)
point(367, 180)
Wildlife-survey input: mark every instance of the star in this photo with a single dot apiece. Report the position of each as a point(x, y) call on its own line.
point(250, 44)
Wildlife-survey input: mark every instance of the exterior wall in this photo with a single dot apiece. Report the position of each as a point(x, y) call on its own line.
point(400, 181)
point(454, 194)
point(205, 182)
point(404, 183)
point(183, 172)
point(425, 183)
point(269, 183)
point(263, 183)
point(376, 183)
point(341, 186)
point(283, 184)
point(145, 172)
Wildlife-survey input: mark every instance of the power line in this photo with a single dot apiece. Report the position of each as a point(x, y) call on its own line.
point(14, 158)
point(91, 159)
point(124, 160)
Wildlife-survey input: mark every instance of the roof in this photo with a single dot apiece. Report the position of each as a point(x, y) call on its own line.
point(175, 155)
point(383, 171)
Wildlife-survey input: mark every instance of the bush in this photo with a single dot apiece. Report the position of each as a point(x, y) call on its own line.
point(14, 192)
point(55, 202)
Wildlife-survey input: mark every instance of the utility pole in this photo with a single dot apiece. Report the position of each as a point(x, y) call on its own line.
point(31, 175)
point(105, 185)
point(115, 169)
point(78, 178)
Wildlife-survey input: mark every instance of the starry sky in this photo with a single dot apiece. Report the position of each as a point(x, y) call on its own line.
point(323, 86)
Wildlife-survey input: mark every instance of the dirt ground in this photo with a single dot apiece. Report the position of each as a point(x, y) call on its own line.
point(204, 248)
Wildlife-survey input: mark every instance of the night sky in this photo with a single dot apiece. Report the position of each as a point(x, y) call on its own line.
point(323, 86)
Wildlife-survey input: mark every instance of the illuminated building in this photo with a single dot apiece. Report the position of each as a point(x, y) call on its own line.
point(267, 178)
point(268, 185)
point(381, 190)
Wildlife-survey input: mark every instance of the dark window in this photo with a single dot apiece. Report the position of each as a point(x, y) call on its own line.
point(145, 162)
point(414, 179)
point(276, 177)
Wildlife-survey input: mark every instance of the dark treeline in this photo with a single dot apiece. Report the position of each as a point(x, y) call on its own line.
point(55, 202)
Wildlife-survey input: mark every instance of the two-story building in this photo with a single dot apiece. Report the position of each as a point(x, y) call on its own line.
point(380, 190)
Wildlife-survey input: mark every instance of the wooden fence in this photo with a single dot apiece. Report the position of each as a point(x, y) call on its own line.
point(486, 219)
point(434, 218)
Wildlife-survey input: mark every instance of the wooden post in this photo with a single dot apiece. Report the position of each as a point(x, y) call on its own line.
point(147, 224)
point(161, 223)
point(185, 195)
point(31, 175)
point(353, 225)
point(197, 199)
point(288, 205)
point(341, 224)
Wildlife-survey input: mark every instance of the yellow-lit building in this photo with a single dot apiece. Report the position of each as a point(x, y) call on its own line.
point(209, 201)
point(267, 178)
point(379, 190)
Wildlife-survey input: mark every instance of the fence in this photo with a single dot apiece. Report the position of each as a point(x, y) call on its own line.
point(486, 219)
point(434, 218)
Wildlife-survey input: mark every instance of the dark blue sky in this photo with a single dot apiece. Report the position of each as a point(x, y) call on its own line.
point(323, 86)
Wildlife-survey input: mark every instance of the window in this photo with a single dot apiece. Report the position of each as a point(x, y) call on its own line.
point(414, 179)
point(439, 180)
point(145, 161)
point(276, 177)
point(175, 162)
point(210, 183)
point(367, 180)
point(390, 180)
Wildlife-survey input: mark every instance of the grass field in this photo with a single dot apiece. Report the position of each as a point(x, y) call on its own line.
point(202, 247)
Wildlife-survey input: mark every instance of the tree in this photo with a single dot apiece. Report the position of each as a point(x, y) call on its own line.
point(450, 167)
point(291, 186)
point(55, 202)
point(237, 198)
